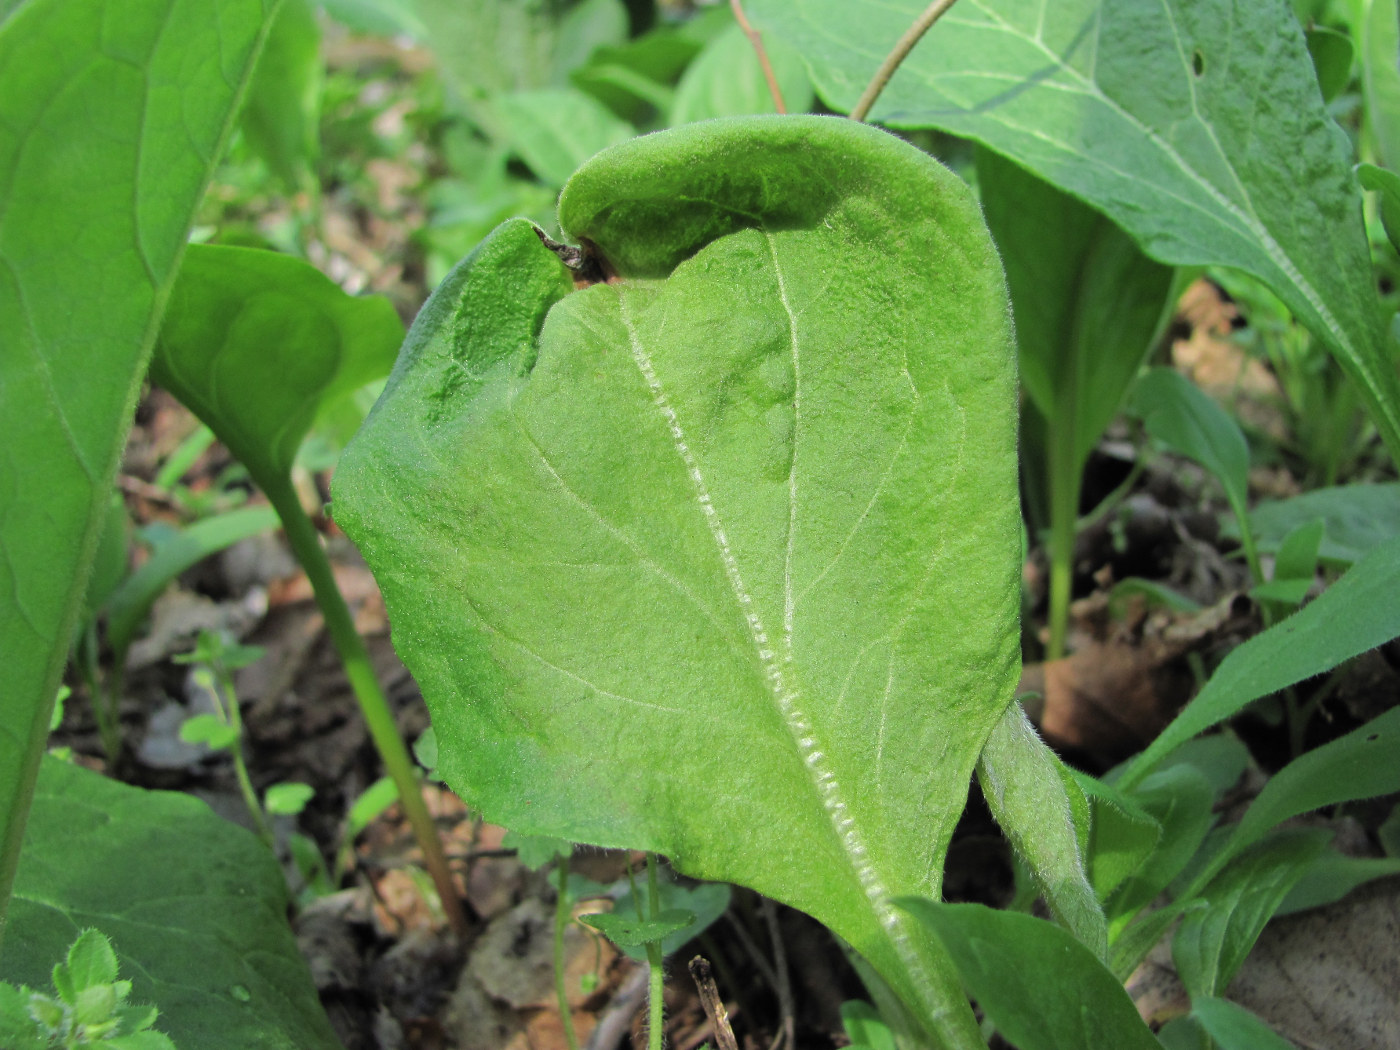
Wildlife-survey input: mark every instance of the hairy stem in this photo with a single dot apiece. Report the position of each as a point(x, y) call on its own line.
point(306, 545)
point(563, 914)
point(901, 50)
point(757, 41)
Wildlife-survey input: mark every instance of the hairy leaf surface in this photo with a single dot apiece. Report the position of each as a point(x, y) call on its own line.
point(719, 558)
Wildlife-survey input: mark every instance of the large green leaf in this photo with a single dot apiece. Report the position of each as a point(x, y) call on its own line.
point(110, 123)
point(195, 906)
point(256, 344)
point(1195, 125)
point(719, 558)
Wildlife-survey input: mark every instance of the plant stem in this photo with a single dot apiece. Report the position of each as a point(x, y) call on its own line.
point(757, 41)
point(221, 682)
point(563, 914)
point(656, 983)
point(901, 50)
point(306, 545)
point(1066, 474)
point(656, 1005)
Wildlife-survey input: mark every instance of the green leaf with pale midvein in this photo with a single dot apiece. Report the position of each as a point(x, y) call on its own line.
point(720, 558)
point(1195, 125)
point(111, 119)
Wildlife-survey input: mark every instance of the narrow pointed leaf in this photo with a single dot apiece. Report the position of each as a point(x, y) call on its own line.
point(1196, 125)
point(112, 122)
point(720, 558)
point(1357, 613)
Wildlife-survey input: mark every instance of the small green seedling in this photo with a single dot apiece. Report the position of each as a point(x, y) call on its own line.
point(88, 1006)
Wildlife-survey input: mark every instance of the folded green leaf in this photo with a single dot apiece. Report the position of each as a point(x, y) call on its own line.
point(1042, 811)
point(1197, 127)
point(719, 558)
point(1039, 986)
point(1123, 835)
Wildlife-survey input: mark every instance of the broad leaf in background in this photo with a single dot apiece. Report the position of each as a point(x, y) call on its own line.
point(281, 117)
point(1380, 78)
point(1197, 127)
point(1039, 986)
point(1356, 518)
point(208, 943)
point(726, 80)
point(1357, 613)
point(1185, 419)
point(108, 145)
point(718, 559)
point(1089, 306)
point(554, 131)
point(491, 47)
point(1212, 941)
point(255, 343)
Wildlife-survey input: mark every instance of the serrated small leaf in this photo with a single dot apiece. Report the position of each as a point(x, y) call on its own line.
point(209, 730)
point(91, 960)
point(287, 800)
point(628, 931)
point(707, 902)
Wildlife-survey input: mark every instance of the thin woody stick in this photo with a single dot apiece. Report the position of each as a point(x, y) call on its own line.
point(901, 50)
point(757, 42)
point(714, 1006)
